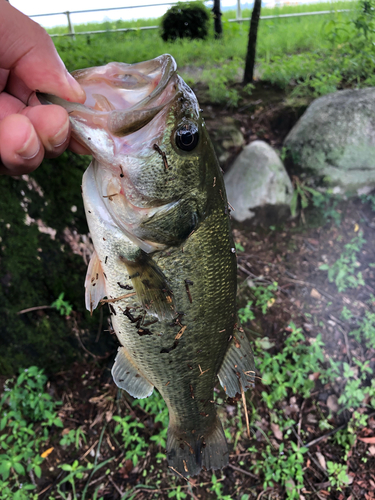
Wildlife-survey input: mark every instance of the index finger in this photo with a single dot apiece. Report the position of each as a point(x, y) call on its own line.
point(27, 49)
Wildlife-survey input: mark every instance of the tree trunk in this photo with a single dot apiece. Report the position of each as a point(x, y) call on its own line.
point(251, 47)
point(217, 19)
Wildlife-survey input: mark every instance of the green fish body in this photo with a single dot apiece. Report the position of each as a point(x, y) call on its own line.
point(164, 255)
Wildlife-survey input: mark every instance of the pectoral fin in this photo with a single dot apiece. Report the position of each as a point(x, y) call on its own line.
point(151, 286)
point(237, 366)
point(127, 376)
point(94, 283)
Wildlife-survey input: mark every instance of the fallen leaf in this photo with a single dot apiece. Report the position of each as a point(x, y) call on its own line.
point(315, 294)
point(356, 228)
point(332, 403)
point(371, 450)
point(277, 432)
point(321, 459)
point(370, 440)
point(47, 452)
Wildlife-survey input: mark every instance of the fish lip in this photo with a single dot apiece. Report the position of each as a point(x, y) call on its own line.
point(168, 69)
point(124, 121)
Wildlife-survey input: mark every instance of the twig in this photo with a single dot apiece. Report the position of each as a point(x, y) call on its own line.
point(317, 464)
point(37, 308)
point(86, 350)
point(307, 283)
point(88, 451)
point(343, 331)
point(119, 491)
point(190, 491)
point(179, 474)
point(325, 436)
point(245, 408)
point(243, 471)
point(125, 296)
point(300, 418)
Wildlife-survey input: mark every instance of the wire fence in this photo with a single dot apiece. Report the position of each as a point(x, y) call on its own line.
point(239, 19)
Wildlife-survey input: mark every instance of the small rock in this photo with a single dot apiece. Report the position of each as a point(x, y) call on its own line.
point(258, 180)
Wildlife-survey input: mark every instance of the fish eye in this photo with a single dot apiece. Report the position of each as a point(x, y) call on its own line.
point(187, 137)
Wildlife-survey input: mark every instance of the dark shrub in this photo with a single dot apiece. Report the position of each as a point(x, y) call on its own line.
point(185, 20)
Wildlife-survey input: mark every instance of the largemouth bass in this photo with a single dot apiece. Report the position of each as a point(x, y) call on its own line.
point(164, 256)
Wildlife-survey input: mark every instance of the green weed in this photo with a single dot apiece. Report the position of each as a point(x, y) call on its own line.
point(63, 306)
point(285, 468)
point(28, 413)
point(133, 431)
point(343, 272)
point(217, 489)
point(289, 368)
point(74, 436)
point(338, 475)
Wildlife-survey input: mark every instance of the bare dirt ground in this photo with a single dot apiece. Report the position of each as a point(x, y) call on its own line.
point(291, 256)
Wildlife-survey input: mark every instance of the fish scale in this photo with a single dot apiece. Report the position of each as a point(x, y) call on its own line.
point(164, 256)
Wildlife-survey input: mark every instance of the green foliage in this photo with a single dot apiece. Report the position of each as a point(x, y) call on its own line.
point(74, 436)
point(132, 431)
point(63, 306)
point(343, 272)
point(185, 20)
point(246, 313)
point(219, 81)
point(319, 84)
point(27, 415)
point(217, 489)
point(264, 296)
point(301, 193)
point(365, 333)
point(289, 368)
point(338, 475)
point(263, 299)
point(177, 493)
point(327, 203)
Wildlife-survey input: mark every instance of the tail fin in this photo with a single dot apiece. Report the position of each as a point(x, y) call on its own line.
point(190, 451)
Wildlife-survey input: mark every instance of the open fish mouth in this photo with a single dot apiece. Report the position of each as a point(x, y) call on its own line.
point(131, 122)
point(120, 99)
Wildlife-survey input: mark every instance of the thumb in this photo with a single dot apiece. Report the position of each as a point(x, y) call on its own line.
point(27, 50)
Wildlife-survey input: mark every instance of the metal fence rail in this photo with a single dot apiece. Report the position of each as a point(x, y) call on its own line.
point(239, 19)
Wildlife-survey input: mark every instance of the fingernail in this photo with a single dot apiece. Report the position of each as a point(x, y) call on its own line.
point(31, 147)
point(76, 87)
point(61, 136)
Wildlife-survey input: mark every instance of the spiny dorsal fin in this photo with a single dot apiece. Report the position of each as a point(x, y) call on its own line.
point(94, 283)
point(128, 377)
point(151, 286)
point(237, 366)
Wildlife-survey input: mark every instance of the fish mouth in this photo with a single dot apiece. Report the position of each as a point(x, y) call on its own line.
point(120, 99)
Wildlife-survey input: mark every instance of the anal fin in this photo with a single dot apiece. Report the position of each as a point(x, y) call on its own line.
point(151, 286)
point(94, 283)
point(127, 376)
point(237, 366)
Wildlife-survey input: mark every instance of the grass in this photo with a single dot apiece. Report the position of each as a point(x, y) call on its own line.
point(307, 56)
point(276, 39)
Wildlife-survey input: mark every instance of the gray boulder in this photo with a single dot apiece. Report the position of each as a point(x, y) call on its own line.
point(334, 141)
point(257, 184)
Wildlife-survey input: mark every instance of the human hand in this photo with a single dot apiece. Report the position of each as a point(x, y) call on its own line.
point(29, 62)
